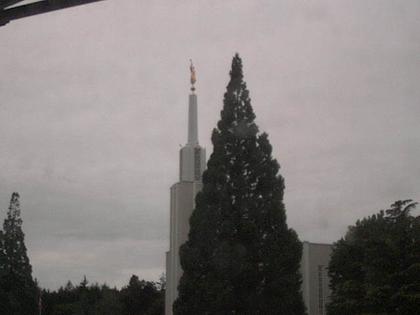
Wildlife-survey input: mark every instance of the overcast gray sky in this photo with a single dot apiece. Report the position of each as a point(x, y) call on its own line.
point(93, 107)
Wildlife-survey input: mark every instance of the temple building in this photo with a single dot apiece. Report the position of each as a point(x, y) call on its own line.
point(182, 202)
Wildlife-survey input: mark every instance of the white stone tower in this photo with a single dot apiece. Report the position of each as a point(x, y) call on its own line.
point(315, 281)
point(192, 164)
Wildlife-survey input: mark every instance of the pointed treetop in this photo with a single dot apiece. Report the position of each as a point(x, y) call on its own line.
point(237, 115)
point(14, 208)
point(236, 71)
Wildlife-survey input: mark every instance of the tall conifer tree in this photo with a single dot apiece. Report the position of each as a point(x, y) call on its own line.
point(240, 257)
point(19, 291)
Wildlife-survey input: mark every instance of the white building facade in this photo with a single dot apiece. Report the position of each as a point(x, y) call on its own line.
point(182, 202)
point(315, 281)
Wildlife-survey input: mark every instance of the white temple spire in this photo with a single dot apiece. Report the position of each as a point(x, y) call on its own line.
point(192, 164)
point(192, 120)
point(192, 156)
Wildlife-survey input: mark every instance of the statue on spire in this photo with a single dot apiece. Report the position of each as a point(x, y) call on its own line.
point(193, 76)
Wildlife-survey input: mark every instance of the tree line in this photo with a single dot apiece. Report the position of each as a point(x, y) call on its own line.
point(139, 297)
point(21, 295)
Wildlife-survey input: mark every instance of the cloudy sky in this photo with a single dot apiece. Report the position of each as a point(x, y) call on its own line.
point(93, 108)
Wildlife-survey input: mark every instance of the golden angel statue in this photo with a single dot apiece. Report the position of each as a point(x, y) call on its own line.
point(193, 75)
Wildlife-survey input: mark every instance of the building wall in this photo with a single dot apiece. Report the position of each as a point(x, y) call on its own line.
point(192, 160)
point(182, 204)
point(315, 280)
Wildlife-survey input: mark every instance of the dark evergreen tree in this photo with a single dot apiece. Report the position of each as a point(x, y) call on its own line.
point(109, 304)
point(375, 268)
point(240, 257)
point(139, 297)
point(18, 289)
point(4, 305)
point(85, 298)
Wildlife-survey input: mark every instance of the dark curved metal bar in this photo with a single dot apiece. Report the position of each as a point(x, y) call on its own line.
point(8, 13)
point(8, 3)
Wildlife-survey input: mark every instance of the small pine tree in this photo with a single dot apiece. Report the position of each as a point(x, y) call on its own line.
point(18, 286)
point(240, 257)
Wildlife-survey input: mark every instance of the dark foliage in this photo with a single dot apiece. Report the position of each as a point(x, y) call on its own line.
point(138, 298)
point(141, 297)
point(18, 290)
point(375, 268)
point(241, 257)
